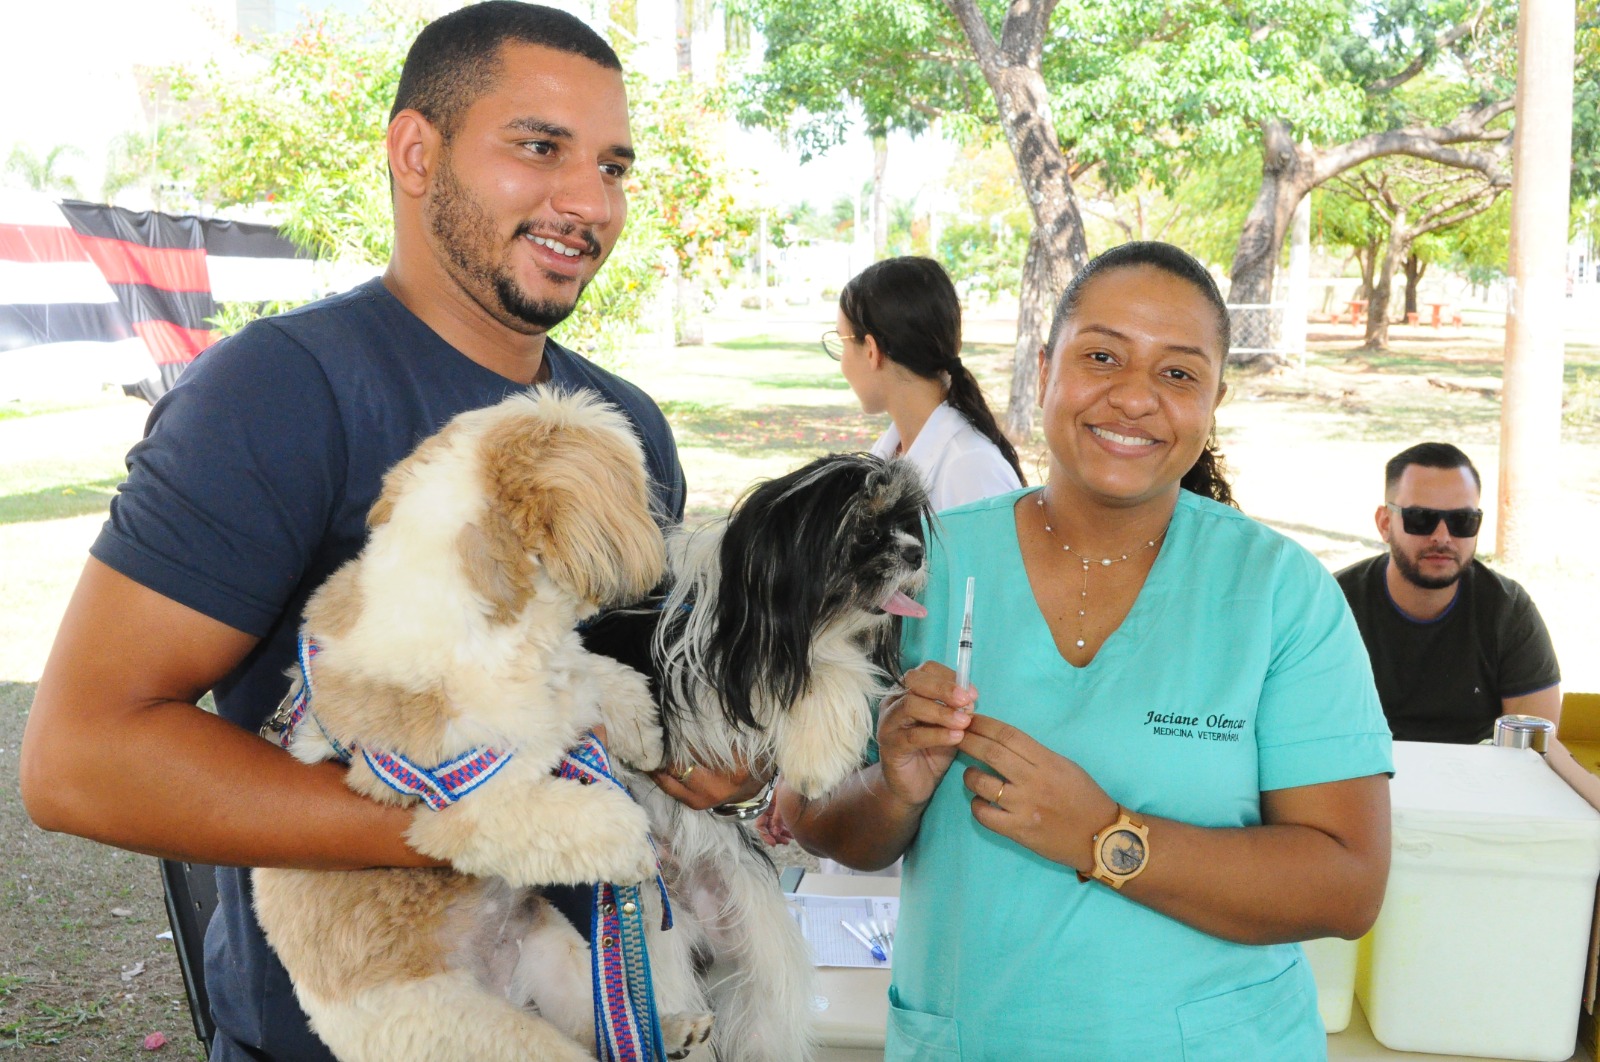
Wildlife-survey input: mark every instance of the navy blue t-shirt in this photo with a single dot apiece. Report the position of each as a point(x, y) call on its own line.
point(252, 486)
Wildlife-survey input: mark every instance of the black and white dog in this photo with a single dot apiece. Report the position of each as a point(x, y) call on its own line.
point(778, 634)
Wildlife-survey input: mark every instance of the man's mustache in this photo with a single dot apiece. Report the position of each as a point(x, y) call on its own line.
point(591, 246)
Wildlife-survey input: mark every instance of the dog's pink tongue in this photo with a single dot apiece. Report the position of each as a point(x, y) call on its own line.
point(901, 605)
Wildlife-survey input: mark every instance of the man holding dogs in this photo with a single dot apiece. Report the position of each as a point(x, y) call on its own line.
point(508, 146)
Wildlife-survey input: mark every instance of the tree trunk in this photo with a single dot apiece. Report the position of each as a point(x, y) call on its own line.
point(685, 36)
point(1415, 267)
point(1378, 304)
point(1289, 171)
point(1035, 307)
point(688, 323)
point(1283, 173)
point(1367, 262)
point(1057, 247)
point(880, 209)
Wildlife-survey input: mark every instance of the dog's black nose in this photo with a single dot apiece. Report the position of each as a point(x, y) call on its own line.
point(913, 553)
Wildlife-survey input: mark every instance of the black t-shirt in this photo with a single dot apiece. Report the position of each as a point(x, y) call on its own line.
point(252, 486)
point(1444, 679)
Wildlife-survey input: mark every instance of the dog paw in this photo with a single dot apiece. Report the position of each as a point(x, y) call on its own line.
point(682, 1033)
point(636, 742)
point(641, 867)
point(815, 781)
point(617, 843)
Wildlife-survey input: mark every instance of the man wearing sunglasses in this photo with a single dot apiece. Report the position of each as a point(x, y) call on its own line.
point(1454, 645)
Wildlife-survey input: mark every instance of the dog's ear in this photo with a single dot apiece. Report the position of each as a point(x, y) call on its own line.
point(573, 493)
point(495, 565)
point(600, 559)
point(398, 479)
point(394, 485)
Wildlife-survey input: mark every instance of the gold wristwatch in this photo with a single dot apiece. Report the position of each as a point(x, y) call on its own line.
point(1121, 851)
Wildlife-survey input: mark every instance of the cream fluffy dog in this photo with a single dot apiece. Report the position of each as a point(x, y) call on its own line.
point(451, 637)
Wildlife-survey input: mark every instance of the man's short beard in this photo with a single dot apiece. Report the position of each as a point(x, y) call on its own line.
point(543, 314)
point(466, 232)
point(1412, 574)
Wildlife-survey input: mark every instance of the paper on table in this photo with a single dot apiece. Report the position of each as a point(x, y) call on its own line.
point(831, 945)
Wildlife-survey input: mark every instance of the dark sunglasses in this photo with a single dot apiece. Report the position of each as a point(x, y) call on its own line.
point(1416, 520)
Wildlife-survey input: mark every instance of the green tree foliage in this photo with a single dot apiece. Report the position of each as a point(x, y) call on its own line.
point(695, 197)
point(984, 246)
point(161, 159)
point(1136, 87)
point(298, 121)
point(1465, 48)
point(807, 222)
point(1586, 123)
point(1341, 219)
point(1406, 200)
point(43, 173)
point(1477, 249)
point(1151, 89)
point(1202, 212)
point(158, 163)
point(1355, 215)
point(1132, 89)
point(1439, 78)
point(685, 210)
point(900, 63)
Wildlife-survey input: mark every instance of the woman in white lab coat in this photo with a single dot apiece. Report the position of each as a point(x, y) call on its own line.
point(898, 343)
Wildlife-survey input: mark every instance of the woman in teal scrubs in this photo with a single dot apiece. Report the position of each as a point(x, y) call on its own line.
point(1169, 763)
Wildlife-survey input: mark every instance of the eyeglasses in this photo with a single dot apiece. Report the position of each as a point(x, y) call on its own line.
point(833, 343)
point(1416, 520)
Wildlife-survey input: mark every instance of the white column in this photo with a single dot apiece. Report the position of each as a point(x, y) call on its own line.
point(1530, 411)
point(1297, 299)
point(761, 259)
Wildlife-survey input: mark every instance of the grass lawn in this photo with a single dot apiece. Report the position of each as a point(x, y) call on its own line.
point(1305, 447)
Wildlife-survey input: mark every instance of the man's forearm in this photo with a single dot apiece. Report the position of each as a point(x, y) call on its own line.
point(1545, 703)
point(176, 782)
point(115, 749)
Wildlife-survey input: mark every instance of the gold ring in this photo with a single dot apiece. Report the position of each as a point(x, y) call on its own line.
point(683, 775)
point(997, 794)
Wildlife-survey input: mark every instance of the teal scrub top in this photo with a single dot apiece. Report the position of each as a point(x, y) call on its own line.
point(1239, 669)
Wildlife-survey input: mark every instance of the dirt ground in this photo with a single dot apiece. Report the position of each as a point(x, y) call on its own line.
point(83, 972)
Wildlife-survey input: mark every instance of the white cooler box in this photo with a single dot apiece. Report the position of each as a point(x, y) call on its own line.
point(1481, 946)
point(1333, 965)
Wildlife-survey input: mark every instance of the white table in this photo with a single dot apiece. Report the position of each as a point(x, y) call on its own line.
point(855, 1001)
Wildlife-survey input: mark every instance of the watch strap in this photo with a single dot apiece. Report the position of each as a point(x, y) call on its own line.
point(745, 810)
point(1104, 874)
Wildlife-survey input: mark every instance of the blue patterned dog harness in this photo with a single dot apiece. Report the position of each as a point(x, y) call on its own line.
point(627, 1028)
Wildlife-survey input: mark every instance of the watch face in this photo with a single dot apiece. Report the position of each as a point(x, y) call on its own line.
point(1122, 851)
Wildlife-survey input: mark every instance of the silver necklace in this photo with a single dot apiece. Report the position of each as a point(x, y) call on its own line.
point(1104, 562)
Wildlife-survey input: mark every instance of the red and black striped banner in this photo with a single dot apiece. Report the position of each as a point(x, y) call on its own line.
point(73, 272)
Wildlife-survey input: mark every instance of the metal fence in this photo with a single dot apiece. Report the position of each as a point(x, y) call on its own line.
point(1257, 328)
